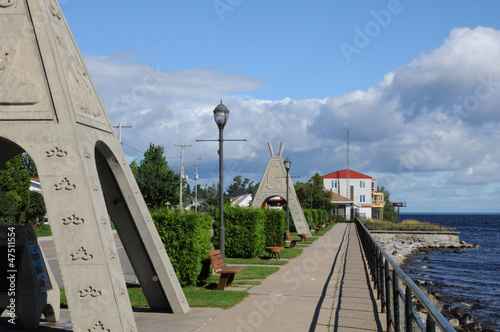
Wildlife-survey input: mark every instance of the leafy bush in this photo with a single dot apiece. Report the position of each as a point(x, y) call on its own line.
point(35, 214)
point(275, 227)
point(8, 209)
point(244, 231)
point(186, 237)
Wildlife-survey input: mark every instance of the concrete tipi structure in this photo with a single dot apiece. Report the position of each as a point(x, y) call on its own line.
point(273, 183)
point(50, 109)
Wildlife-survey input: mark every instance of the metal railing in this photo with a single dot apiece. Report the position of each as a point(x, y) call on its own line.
point(396, 303)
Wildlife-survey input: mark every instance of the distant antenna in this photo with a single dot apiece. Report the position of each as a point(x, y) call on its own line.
point(348, 187)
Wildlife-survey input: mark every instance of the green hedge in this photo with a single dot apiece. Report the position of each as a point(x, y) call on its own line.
point(186, 237)
point(244, 237)
point(275, 227)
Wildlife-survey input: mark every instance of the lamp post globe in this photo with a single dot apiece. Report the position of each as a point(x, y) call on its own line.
point(288, 164)
point(221, 114)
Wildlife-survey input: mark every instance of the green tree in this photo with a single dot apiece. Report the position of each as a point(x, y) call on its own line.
point(35, 214)
point(158, 183)
point(245, 185)
point(390, 213)
point(303, 191)
point(8, 209)
point(15, 181)
point(29, 165)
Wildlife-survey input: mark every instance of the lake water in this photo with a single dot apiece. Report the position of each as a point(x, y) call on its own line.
point(472, 279)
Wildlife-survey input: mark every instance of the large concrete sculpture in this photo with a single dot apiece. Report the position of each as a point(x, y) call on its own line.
point(273, 183)
point(50, 109)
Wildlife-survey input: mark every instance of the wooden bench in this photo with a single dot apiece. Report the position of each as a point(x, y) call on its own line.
point(274, 252)
point(317, 228)
point(294, 240)
point(220, 267)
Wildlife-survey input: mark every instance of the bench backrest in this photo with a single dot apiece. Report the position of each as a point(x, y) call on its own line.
point(216, 260)
point(288, 236)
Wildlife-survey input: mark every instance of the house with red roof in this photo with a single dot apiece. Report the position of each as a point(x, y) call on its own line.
point(355, 194)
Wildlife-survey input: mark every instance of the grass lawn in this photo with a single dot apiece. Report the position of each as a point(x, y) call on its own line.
point(43, 230)
point(250, 272)
point(196, 297)
point(262, 260)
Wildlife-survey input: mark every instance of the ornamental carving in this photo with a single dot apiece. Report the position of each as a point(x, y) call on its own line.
point(275, 179)
point(64, 185)
point(56, 152)
point(73, 220)
point(17, 87)
point(79, 83)
point(54, 9)
point(98, 327)
point(81, 254)
point(90, 292)
point(7, 3)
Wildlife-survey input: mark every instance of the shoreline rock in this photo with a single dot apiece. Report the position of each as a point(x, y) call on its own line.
point(401, 250)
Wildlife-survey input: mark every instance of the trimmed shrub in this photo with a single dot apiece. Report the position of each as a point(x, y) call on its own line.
point(8, 209)
point(186, 237)
point(244, 237)
point(275, 227)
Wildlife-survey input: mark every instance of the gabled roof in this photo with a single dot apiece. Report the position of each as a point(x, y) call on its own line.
point(339, 198)
point(343, 175)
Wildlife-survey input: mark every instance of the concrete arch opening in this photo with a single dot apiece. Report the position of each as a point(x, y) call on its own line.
point(120, 203)
point(274, 183)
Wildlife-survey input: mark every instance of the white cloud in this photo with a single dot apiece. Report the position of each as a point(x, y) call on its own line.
point(429, 131)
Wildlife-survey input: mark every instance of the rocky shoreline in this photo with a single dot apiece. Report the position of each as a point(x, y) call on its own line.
point(402, 250)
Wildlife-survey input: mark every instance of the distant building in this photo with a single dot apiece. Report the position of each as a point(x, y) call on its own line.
point(361, 199)
point(240, 198)
point(35, 185)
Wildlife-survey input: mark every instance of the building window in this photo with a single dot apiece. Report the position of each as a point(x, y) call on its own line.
point(334, 184)
point(362, 198)
point(362, 183)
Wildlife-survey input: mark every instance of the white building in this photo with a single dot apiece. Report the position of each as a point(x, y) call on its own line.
point(362, 193)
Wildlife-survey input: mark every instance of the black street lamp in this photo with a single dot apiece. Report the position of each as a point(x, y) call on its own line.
point(288, 164)
point(324, 214)
point(311, 182)
point(221, 114)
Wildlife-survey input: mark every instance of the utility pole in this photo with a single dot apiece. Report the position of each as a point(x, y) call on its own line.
point(196, 187)
point(182, 146)
point(348, 187)
point(120, 130)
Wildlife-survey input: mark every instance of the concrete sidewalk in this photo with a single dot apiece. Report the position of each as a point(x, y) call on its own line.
point(327, 288)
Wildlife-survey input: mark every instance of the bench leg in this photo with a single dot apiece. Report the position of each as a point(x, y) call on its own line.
point(292, 244)
point(230, 279)
point(226, 279)
point(222, 281)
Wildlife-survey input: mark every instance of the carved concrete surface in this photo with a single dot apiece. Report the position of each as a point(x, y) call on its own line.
point(273, 183)
point(50, 109)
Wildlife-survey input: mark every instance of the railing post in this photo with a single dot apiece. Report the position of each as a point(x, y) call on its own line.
point(408, 309)
point(395, 299)
point(388, 295)
point(430, 325)
point(382, 285)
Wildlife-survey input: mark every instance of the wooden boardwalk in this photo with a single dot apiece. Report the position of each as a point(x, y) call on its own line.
point(327, 288)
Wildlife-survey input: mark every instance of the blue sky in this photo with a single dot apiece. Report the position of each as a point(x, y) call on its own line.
point(417, 79)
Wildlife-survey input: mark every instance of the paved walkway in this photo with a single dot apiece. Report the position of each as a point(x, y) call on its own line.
point(327, 288)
